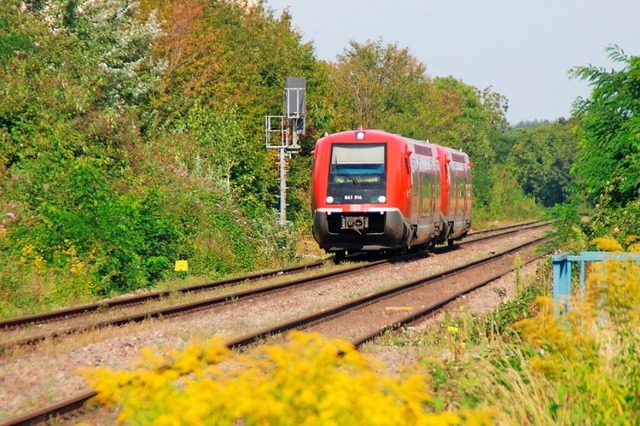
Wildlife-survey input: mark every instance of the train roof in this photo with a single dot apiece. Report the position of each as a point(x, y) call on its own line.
point(374, 135)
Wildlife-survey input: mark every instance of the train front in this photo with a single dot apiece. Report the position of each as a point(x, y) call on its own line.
point(360, 191)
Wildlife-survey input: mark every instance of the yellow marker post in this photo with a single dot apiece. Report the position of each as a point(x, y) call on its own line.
point(182, 266)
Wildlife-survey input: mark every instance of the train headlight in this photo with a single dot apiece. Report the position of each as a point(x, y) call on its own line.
point(329, 199)
point(382, 199)
point(360, 135)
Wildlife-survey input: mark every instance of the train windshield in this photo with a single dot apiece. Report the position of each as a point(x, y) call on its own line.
point(357, 173)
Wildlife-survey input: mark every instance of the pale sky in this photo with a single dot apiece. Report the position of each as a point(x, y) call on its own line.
point(523, 49)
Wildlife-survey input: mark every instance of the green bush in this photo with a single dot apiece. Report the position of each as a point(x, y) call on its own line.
point(114, 231)
point(618, 222)
point(569, 235)
point(507, 201)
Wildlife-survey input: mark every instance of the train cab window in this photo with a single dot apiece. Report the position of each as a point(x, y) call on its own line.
point(360, 163)
point(357, 173)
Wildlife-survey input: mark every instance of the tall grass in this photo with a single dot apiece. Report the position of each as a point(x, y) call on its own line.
point(578, 368)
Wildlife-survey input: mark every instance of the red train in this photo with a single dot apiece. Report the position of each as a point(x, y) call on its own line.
point(374, 190)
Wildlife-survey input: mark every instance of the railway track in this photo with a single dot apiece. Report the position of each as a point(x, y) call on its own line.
point(166, 312)
point(157, 295)
point(72, 404)
point(80, 310)
point(31, 330)
point(435, 301)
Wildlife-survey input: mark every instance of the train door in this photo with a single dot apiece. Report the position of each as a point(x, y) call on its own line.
point(437, 195)
point(468, 194)
point(459, 190)
point(464, 193)
point(453, 188)
point(434, 193)
point(415, 191)
point(431, 194)
point(424, 224)
point(447, 184)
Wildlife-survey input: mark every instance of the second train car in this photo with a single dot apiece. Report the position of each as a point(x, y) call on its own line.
point(374, 190)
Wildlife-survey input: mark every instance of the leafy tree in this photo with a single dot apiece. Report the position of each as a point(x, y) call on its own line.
point(228, 53)
point(68, 126)
point(532, 123)
point(16, 35)
point(373, 82)
point(458, 115)
point(217, 143)
point(609, 130)
point(506, 200)
point(541, 160)
point(68, 98)
point(230, 56)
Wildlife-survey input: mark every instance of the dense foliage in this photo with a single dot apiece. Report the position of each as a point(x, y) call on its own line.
point(587, 359)
point(115, 162)
point(68, 126)
point(541, 159)
point(608, 165)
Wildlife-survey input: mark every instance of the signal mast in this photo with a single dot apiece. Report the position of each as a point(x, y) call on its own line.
point(282, 132)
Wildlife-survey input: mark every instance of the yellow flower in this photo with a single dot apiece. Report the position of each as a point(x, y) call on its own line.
point(632, 239)
point(309, 380)
point(607, 243)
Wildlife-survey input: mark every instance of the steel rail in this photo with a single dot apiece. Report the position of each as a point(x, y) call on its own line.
point(52, 411)
point(418, 315)
point(91, 307)
point(366, 300)
point(189, 307)
point(524, 225)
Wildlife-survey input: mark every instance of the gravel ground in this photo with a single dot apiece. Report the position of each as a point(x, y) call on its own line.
point(479, 301)
point(393, 309)
point(52, 371)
